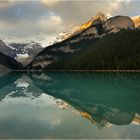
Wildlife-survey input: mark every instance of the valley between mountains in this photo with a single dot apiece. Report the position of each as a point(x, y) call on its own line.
point(100, 44)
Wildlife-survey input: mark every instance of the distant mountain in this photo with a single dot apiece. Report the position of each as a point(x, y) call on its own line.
point(120, 51)
point(22, 52)
point(25, 52)
point(7, 50)
point(136, 21)
point(7, 63)
point(88, 34)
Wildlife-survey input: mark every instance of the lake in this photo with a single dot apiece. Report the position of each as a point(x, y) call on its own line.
point(68, 105)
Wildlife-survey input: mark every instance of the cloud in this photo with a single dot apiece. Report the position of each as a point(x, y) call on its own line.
point(22, 18)
point(5, 4)
point(50, 3)
point(51, 23)
point(77, 12)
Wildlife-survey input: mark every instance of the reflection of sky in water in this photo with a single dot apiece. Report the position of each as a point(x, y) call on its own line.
point(38, 115)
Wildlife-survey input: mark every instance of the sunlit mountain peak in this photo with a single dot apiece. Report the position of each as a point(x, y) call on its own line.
point(136, 20)
point(98, 18)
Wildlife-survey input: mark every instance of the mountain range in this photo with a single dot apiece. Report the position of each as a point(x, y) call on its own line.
point(100, 44)
point(25, 52)
point(22, 52)
point(78, 43)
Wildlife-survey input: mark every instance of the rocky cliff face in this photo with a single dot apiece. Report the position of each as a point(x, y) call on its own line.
point(25, 52)
point(115, 24)
point(99, 19)
point(87, 34)
point(136, 21)
point(22, 52)
point(7, 50)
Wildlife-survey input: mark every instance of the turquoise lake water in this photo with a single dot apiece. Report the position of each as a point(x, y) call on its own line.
point(68, 105)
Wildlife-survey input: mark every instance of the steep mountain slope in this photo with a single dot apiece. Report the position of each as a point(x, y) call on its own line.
point(98, 19)
point(95, 30)
point(57, 52)
point(22, 52)
point(25, 52)
point(136, 21)
point(8, 63)
point(7, 50)
point(115, 24)
point(120, 51)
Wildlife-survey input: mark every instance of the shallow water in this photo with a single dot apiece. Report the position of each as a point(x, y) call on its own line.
point(70, 105)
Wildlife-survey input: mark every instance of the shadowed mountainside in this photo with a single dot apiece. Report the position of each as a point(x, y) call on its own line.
point(86, 37)
point(119, 51)
point(7, 63)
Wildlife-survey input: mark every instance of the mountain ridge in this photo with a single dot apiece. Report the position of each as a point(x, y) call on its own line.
point(78, 41)
point(7, 63)
point(105, 54)
point(86, 35)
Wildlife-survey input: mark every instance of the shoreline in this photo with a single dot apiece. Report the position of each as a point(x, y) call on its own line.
point(127, 71)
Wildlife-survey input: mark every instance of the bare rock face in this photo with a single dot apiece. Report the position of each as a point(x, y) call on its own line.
point(6, 50)
point(117, 23)
point(136, 21)
point(98, 19)
point(25, 52)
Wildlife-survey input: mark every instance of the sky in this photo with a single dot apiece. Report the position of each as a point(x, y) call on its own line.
point(42, 20)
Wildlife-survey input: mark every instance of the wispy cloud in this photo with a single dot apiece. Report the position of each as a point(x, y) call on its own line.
point(22, 18)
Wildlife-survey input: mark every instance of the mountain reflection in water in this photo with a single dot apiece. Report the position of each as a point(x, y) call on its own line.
point(105, 99)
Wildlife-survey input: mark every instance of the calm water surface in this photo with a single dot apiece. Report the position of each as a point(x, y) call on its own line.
point(70, 105)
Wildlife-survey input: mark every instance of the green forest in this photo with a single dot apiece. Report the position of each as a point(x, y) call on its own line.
point(115, 51)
